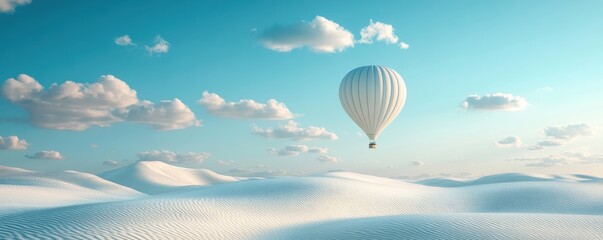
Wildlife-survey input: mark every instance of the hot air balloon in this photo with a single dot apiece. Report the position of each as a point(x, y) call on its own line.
point(372, 96)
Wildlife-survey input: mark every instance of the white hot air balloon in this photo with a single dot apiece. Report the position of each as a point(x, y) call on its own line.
point(372, 96)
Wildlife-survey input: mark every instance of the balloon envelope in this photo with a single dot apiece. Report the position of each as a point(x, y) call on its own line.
point(372, 96)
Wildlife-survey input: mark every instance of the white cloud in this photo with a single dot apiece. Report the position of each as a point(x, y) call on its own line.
point(224, 162)
point(70, 106)
point(497, 101)
point(417, 163)
point(320, 35)
point(252, 172)
point(318, 150)
point(111, 163)
point(160, 46)
point(94, 145)
point(79, 106)
point(46, 155)
point(550, 143)
point(292, 131)
point(165, 115)
point(295, 150)
point(404, 45)
point(560, 159)
point(169, 156)
point(381, 31)
point(327, 159)
point(511, 141)
point(13, 143)
point(546, 143)
point(246, 108)
point(124, 40)
point(569, 132)
point(8, 6)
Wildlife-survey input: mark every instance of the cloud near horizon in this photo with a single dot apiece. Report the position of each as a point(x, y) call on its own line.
point(257, 172)
point(290, 130)
point(171, 157)
point(327, 159)
point(295, 150)
point(8, 6)
point(246, 108)
point(511, 141)
point(79, 106)
point(320, 35)
point(569, 132)
point(494, 102)
point(13, 143)
point(546, 143)
point(111, 163)
point(560, 159)
point(562, 135)
point(417, 163)
point(51, 154)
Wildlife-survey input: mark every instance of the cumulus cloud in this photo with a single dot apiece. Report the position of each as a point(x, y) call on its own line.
point(70, 106)
point(295, 150)
point(169, 156)
point(560, 159)
point(124, 40)
point(380, 31)
point(318, 150)
point(54, 155)
point(320, 35)
point(254, 172)
point(493, 102)
point(159, 46)
point(562, 135)
point(417, 163)
point(247, 108)
point(327, 159)
point(511, 141)
point(290, 130)
point(569, 132)
point(165, 115)
point(546, 143)
point(224, 162)
point(13, 143)
point(8, 6)
point(79, 106)
point(111, 163)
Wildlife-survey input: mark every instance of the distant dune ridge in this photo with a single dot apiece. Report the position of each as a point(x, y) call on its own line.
point(200, 204)
point(22, 189)
point(153, 177)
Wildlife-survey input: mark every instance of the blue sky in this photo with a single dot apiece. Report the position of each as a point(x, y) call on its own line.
point(546, 53)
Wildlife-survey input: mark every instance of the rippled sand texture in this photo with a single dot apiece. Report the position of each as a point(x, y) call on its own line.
point(334, 206)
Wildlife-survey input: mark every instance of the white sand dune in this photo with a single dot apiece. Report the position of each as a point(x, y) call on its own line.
point(21, 189)
point(154, 177)
point(506, 178)
point(332, 206)
point(451, 226)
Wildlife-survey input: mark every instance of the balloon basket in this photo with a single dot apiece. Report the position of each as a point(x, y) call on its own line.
point(373, 145)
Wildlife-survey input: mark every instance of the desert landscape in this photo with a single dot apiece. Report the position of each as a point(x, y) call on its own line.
point(154, 200)
point(308, 119)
